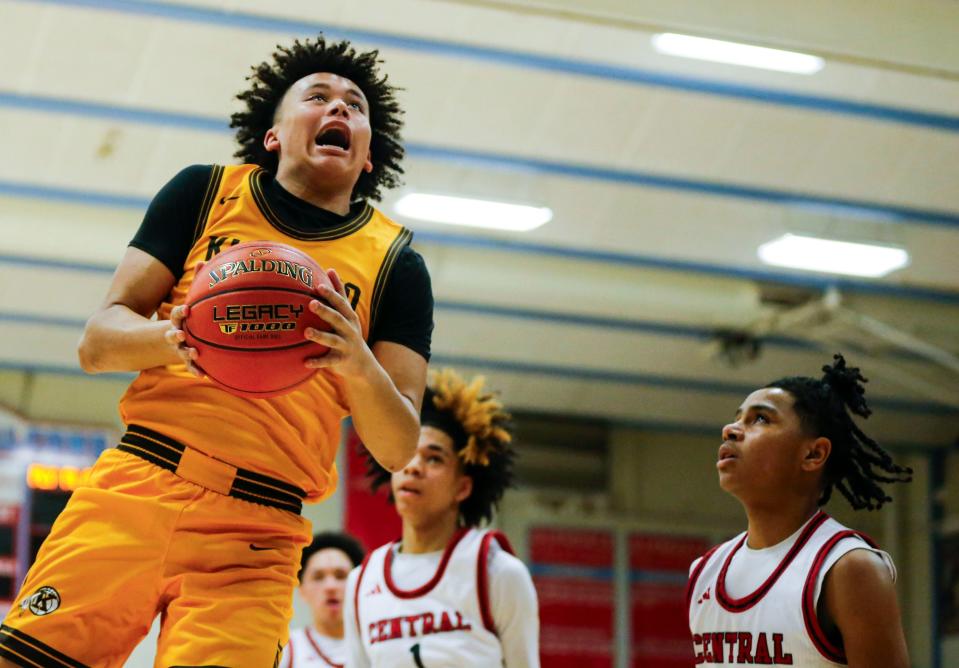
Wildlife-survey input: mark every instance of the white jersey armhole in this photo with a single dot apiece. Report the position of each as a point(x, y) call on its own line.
point(852, 543)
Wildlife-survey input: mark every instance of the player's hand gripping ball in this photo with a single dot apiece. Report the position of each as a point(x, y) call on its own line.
point(248, 310)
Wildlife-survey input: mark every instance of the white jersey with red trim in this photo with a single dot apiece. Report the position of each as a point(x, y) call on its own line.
point(309, 649)
point(772, 621)
point(444, 623)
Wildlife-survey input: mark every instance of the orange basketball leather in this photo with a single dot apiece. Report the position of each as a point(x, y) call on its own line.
point(249, 308)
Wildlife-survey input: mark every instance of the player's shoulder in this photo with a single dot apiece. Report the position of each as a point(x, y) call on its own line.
point(503, 565)
point(859, 578)
point(509, 578)
point(192, 174)
point(841, 543)
point(410, 259)
point(187, 185)
point(861, 564)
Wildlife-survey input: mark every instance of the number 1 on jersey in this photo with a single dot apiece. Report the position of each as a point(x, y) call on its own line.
point(415, 649)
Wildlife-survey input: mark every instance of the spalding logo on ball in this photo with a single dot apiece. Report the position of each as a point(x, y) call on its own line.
point(249, 307)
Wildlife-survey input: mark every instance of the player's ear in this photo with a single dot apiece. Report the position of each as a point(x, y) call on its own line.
point(368, 165)
point(816, 453)
point(464, 487)
point(271, 141)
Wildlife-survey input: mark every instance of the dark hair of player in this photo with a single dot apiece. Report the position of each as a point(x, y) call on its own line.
point(479, 428)
point(335, 540)
point(857, 464)
point(270, 81)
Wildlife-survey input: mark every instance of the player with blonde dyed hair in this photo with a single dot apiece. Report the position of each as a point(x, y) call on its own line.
point(448, 593)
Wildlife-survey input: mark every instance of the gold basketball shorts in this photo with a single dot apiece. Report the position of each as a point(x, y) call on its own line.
point(147, 538)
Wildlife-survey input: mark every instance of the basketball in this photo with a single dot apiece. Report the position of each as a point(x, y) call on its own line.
point(249, 308)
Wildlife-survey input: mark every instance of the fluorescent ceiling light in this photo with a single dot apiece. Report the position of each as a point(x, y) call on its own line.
point(472, 212)
point(836, 257)
point(734, 53)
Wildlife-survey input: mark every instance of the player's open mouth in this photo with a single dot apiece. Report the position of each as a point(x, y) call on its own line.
point(408, 490)
point(726, 453)
point(333, 137)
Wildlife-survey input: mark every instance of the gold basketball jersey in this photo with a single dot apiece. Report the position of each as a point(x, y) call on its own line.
point(292, 437)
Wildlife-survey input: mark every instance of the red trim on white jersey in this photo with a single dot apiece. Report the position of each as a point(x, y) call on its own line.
point(446, 618)
point(319, 652)
point(356, 593)
point(694, 576)
point(746, 602)
point(426, 588)
point(482, 576)
point(820, 640)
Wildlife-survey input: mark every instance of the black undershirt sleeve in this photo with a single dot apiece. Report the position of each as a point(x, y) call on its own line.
point(170, 222)
point(406, 312)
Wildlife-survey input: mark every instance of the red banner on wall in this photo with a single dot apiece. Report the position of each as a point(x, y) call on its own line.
point(659, 569)
point(369, 517)
point(573, 574)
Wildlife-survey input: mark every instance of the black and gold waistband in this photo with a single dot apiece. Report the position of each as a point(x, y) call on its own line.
point(210, 472)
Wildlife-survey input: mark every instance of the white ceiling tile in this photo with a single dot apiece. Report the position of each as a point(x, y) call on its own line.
point(23, 32)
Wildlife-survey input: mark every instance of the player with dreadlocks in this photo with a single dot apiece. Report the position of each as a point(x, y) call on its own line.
point(447, 593)
point(195, 516)
point(798, 588)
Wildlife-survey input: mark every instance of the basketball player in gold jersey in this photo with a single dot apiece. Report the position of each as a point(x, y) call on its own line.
point(195, 516)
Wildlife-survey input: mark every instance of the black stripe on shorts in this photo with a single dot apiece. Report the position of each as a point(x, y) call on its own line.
point(247, 485)
point(25, 650)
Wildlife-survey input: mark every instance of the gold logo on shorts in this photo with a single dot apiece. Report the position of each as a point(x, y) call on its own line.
point(43, 601)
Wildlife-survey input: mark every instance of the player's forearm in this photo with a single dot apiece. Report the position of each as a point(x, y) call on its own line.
point(385, 420)
point(118, 339)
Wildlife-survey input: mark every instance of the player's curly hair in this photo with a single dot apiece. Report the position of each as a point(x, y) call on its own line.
point(336, 540)
point(272, 79)
point(480, 429)
point(857, 464)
